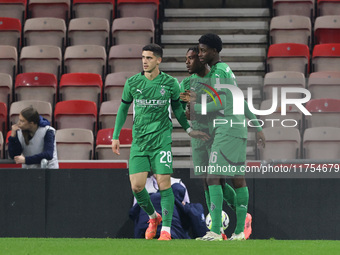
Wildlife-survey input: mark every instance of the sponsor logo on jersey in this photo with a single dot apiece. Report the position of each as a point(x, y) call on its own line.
point(139, 90)
point(150, 102)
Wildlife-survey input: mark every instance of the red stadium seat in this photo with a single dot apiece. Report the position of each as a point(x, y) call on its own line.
point(3, 118)
point(328, 7)
point(6, 87)
point(108, 113)
point(126, 57)
point(114, 85)
point(288, 57)
point(41, 58)
point(45, 31)
point(327, 29)
point(321, 143)
point(44, 109)
point(294, 7)
point(13, 9)
point(74, 144)
point(10, 32)
point(324, 84)
point(104, 141)
point(283, 79)
point(290, 29)
point(85, 59)
point(325, 113)
point(281, 143)
point(146, 8)
point(76, 114)
point(94, 8)
point(49, 8)
point(133, 29)
point(326, 57)
point(1, 145)
point(36, 86)
point(81, 86)
point(8, 60)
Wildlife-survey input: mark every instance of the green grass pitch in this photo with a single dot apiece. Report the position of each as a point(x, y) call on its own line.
point(70, 246)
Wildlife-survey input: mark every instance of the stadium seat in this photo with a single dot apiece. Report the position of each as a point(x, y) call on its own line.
point(8, 60)
point(327, 29)
point(133, 29)
point(108, 113)
point(281, 143)
point(89, 31)
point(282, 79)
point(328, 7)
point(49, 8)
point(3, 117)
point(325, 113)
point(114, 84)
point(321, 143)
point(41, 58)
point(44, 109)
point(45, 31)
point(74, 144)
point(2, 145)
point(94, 8)
point(294, 7)
point(126, 57)
point(288, 57)
point(76, 114)
point(81, 86)
point(36, 86)
point(6, 86)
point(290, 29)
point(13, 9)
point(146, 8)
point(276, 119)
point(10, 32)
point(104, 141)
point(324, 84)
point(326, 57)
point(85, 59)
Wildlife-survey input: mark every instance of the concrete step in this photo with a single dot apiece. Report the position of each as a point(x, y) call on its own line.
point(227, 54)
point(217, 13)
point(226, 39)
point(219, 27)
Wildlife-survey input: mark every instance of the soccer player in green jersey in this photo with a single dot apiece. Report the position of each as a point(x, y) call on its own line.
point(152, 93)
point(229, 145)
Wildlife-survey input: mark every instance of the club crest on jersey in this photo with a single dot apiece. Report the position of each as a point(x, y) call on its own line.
point(162, 91)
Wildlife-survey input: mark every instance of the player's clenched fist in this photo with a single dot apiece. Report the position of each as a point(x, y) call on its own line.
point(115, 146)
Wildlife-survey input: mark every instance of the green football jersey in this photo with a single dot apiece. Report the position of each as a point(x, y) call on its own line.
point(237, 124)
point(151, 109)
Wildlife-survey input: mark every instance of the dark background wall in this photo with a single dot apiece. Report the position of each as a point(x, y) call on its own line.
point(95, 203)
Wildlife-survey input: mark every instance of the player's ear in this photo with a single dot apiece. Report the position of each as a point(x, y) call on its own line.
point(159, 60)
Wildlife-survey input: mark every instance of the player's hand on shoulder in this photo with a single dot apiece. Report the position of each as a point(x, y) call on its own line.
point(115, 146)
point(199, 135)
point(260, 139)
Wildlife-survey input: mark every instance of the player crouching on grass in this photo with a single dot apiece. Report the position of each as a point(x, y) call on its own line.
point(151, 91)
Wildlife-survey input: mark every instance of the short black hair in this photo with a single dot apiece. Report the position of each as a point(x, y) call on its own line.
point(194, 49)
point(212, 41)
point(155, 48)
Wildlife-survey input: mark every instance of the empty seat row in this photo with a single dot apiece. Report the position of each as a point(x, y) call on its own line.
point(298, 29)
point(306, 7)
point(80, 9)
point(81, 31)
point(286, 143)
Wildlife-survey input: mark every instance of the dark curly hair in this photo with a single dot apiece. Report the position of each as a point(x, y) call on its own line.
point(194, 49)
point(212, 41)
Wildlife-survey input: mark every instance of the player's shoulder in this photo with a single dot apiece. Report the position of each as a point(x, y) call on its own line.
point(168, 78)
point(135, 77)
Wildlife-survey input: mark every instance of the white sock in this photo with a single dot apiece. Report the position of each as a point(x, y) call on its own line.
point(167, 229)
point(153, 216)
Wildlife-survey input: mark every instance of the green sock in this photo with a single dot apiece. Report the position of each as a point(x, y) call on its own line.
point(229, 195)
point(167, 203)
point(242, 198)
point(144, 201)
point(207, 199)
point(216, 198)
